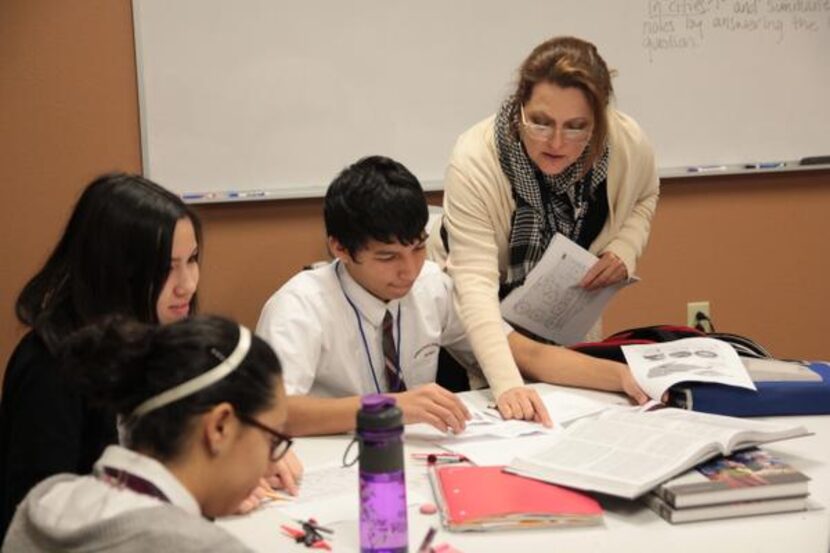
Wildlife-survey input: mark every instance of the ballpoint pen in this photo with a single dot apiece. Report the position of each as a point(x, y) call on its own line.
point(274, 495)
point(440, 457)
point(427, 541)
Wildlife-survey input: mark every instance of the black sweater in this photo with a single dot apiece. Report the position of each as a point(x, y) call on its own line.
point(46, 427)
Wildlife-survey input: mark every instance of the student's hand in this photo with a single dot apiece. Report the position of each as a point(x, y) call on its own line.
point(261, 492)
point(434, 405)
point(286, 474)
point(630, 386)
point(523, 403)
point(608, 270)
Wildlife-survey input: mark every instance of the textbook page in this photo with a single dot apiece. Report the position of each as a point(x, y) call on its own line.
point(627, 453)
point(550, 303)
point(658, 367)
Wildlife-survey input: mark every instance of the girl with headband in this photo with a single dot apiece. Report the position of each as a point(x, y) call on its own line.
point(203, 404)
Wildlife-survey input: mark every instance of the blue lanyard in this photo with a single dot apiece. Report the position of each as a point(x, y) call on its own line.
point(363, 334)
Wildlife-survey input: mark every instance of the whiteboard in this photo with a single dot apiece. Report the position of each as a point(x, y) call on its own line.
point(272, 98)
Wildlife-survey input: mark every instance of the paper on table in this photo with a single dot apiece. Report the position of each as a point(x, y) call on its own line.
point(483, 423)
point(489, 451)
point(657, 367)
point(550, 303)
point(563, 407)
point(329, 493)
point(489, 440)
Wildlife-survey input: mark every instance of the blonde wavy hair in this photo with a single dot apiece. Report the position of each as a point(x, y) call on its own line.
point(571, 62)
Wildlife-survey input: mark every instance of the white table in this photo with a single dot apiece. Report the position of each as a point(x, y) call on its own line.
point(628, 526)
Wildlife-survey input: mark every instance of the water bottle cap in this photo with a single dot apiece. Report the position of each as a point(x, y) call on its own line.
point(378, 412)
point(376, 402)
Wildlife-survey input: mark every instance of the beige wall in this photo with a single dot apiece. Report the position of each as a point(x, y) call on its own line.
point(752, 246)
point(67, 112)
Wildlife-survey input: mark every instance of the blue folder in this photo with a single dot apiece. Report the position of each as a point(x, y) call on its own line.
point(772, 398)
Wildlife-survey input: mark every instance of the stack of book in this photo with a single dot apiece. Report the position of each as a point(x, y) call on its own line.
point(629, 453)
point(750, 482)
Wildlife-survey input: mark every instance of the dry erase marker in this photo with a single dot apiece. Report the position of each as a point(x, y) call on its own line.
point(192, 196)
point(765, 165)
point(706, 168)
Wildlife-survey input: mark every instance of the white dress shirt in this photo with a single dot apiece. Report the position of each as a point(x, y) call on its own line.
point(317, 335)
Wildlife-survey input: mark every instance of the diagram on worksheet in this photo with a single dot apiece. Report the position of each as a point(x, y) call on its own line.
point(657, 367)
point(550, 303)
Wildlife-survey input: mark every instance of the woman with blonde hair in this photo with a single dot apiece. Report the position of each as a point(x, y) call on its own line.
point(556, 158)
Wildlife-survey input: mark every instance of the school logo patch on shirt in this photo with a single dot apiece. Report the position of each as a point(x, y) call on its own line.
point(427, 351)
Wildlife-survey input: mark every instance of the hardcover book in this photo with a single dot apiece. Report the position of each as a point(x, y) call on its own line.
point(747, 475)
point(725, 510)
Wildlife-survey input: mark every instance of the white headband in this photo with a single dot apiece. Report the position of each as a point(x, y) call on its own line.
point(200, 382)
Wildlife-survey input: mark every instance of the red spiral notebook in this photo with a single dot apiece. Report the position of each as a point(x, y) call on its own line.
point(486, 498)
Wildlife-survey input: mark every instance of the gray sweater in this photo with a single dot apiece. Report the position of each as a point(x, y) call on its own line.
point(161, 529)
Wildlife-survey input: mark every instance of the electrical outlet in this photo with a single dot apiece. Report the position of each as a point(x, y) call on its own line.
point(695, 307)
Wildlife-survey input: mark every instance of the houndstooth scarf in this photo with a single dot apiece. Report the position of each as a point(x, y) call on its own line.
point(545, 204)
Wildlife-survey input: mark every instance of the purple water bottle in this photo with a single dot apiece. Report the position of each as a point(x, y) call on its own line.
point(383, 527)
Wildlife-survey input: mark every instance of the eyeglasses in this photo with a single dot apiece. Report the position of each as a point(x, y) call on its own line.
point(546, 132)
point(280, 443)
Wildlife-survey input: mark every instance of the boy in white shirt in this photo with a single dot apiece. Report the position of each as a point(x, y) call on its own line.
point(373, 320)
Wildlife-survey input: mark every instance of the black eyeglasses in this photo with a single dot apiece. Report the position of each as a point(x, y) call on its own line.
point(280, 443)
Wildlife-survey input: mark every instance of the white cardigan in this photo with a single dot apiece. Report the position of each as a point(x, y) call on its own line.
point(479, 206)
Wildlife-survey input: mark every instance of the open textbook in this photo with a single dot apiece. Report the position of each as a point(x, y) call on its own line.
point(550, 303)
point(626, 454)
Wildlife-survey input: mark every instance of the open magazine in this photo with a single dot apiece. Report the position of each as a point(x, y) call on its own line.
point(626, 454)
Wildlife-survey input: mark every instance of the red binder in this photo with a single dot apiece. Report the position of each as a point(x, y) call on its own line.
point(486, 498)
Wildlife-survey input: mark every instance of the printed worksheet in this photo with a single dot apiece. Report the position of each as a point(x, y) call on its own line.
point(329, 493)
point(487, 424)
point(657, 367)
point(484, 422)
point(489, 440)
point(550, 303)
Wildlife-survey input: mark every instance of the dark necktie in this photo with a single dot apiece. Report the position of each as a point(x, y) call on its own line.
point(394, 380)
